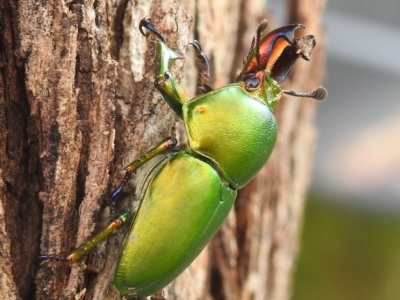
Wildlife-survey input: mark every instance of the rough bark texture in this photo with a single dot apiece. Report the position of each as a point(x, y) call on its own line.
point(77, 104)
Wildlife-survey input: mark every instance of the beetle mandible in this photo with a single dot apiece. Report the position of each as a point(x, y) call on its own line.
point(196, 182)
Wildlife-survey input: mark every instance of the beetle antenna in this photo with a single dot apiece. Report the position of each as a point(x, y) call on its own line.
point(319, 94)
point(261, 27)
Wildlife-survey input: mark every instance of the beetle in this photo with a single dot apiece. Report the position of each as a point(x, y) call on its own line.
point(186, 190)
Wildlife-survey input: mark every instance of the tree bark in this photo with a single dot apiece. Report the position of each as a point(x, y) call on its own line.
point(77, 104)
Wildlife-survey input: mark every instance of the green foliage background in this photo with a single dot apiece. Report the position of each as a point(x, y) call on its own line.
point(348, 253)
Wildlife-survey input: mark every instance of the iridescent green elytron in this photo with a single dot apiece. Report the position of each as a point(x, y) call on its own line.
point(187, 190)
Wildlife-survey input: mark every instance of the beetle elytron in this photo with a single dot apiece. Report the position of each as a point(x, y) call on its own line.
point(187, 190)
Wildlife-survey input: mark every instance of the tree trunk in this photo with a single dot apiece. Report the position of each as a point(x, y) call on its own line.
point(77, 104)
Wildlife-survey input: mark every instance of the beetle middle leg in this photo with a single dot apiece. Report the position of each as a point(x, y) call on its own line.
point(168, 143)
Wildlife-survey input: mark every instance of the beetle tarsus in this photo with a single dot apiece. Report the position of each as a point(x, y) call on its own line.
point(319, 94)
point(261, 27)
point(118, 191)
point(145, 22)
point(203, 65)
point(53, 257)
point(205, 88)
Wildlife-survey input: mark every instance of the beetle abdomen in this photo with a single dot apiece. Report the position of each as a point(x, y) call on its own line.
point(183, 206)
point(236, 131)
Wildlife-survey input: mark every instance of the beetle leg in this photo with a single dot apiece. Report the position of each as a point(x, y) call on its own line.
point(84, 249)
point(164, 81)
point(168, 143)
point(203, 66)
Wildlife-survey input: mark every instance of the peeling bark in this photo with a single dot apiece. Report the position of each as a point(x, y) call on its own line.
point(77, 104)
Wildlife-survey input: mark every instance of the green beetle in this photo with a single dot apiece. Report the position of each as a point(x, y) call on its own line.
point(231, 133)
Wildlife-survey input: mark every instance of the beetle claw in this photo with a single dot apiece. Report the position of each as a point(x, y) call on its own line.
point(145, 22)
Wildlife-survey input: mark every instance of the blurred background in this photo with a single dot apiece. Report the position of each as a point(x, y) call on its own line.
point(350, 246)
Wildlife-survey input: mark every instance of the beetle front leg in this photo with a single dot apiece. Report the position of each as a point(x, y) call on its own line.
point(164, 81)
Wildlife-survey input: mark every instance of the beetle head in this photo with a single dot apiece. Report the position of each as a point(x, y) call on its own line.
point(276, 52)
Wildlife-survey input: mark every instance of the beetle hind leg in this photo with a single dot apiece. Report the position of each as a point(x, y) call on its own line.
point(84, 249)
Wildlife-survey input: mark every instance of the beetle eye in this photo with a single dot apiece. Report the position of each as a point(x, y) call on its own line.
point(251, 81)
